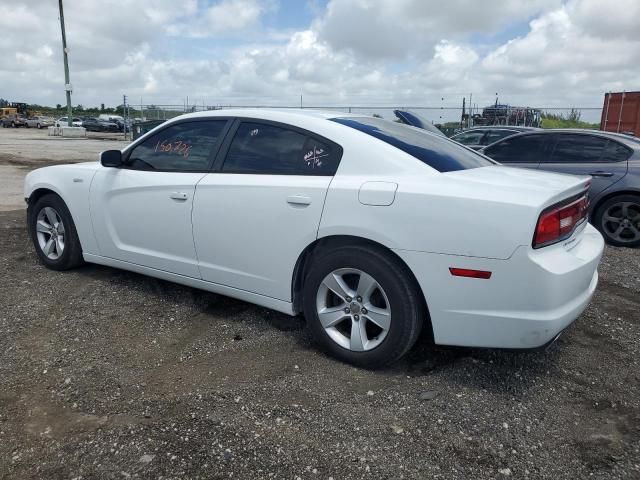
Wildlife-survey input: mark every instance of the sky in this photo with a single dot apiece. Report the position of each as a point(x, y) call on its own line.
point(371, 53)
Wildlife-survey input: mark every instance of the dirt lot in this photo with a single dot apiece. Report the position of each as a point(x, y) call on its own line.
point(109, 374)
point(23, 149)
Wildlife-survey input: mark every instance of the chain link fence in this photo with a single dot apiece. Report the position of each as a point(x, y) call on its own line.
point(449, 118)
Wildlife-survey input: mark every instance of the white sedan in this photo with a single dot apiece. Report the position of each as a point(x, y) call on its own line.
point(64, 122)
point(371, 229)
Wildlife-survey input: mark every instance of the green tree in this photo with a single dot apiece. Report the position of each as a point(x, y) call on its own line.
point(572, 119)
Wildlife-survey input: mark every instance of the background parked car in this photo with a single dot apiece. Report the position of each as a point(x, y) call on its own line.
point(410, 118)
point(39, 122)
point(99, 125)
point(612, 160)
point(478, 137)
point(62, 122)
point(14, 120)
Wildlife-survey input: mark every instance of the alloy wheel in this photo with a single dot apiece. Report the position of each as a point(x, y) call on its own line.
point(353, 309)
point(621, 222)
point(50, 233)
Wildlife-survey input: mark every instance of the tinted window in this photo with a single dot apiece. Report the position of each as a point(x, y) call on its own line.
point(495, 135)
point(520, 149)
point(436, 151)
point(577, 148)
point(469, 138)
point(268, 149)
point(181, 147)
point(615, 152)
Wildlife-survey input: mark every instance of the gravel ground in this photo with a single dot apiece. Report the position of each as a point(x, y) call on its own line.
point(110, 374)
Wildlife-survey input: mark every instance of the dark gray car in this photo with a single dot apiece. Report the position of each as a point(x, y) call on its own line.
point(612, 160)
point(478, 137)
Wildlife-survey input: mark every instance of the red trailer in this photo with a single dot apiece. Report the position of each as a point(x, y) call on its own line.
point(621, 113)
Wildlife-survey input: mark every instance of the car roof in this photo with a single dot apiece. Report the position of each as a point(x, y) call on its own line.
point(633, 142)
point(276, 114)
point(518, 128)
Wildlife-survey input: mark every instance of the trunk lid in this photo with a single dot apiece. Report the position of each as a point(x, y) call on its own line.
point(521, 186)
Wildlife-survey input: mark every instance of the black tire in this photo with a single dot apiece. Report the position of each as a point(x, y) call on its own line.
point(627, 238)
point(71, 256)
point(13, 124)
point(405, 301)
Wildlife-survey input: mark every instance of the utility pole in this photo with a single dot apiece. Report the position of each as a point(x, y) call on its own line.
point(124, 115)
point(67, 81)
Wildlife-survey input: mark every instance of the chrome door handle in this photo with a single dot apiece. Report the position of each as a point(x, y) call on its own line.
point(181, 196)
point(298, 200)
point(601, 174)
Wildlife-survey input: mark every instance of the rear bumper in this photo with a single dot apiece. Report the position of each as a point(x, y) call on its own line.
point(529, 299)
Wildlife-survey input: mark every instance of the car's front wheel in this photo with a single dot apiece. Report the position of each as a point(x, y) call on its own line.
point(362, 305)
point(618, 219)
point(54, 234)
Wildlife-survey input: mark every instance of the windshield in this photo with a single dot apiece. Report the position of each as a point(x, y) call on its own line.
point(437, 151)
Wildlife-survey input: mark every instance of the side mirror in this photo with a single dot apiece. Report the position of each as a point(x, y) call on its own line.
point(111, 158)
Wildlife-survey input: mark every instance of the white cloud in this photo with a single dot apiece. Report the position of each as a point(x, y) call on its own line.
point(399, 28)
point(396, 52)
point(569, 55)
point(223, 17)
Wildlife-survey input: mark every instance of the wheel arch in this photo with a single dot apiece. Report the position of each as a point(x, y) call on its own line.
point(40, 192)
point(336, 241)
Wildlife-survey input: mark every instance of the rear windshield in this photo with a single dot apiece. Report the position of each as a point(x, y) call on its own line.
point(436, 151)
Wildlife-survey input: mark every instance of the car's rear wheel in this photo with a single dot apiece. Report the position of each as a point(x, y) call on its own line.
point(618, 219)
point(54, 234)
point(362, 305)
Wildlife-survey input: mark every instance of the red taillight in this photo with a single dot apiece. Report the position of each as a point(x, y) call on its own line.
point(558, 222)
point(467, 272)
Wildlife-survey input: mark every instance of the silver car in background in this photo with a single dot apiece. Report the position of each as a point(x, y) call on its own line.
point(39, 122)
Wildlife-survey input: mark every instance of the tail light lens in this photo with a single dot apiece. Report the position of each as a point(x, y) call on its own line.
point(559, 221)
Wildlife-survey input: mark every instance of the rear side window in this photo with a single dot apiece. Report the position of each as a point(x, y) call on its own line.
point(495, 135)
point(520, 149)
point(469, 138)
point(259, 148)
point(615, 152)
point(438, 152)
point(185, 147)
point(575, 148)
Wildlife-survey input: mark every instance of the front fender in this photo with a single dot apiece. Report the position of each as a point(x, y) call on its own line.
point(71, 183)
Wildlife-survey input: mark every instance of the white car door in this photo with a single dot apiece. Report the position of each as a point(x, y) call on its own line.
point(141, 212)
point(253, 218)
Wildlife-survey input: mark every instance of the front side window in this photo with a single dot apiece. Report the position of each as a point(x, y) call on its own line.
point(520, 149)
point(575, 148)
point(183, 147)
point(269, 149)
point(437, 151)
